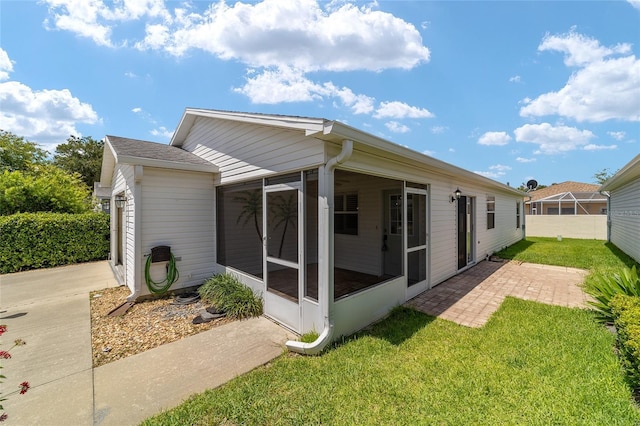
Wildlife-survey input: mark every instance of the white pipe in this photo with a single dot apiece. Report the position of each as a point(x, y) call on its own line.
point(324, 338)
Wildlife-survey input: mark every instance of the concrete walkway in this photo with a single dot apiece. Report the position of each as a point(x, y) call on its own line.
point(472, 297)
point(49, 309)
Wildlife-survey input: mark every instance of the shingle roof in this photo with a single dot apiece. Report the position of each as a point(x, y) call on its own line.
point(137, 148)
point(564, 187)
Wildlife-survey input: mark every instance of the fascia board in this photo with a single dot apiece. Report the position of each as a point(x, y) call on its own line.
point(165, 164)
point(309, 125)
point(341, 131)
point(109, 160)
point(625, 175)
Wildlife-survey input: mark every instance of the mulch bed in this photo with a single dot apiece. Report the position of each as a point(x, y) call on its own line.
point(144, 326)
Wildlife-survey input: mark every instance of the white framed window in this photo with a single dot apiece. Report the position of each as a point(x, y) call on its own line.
point(346, 213)
point(491, 211)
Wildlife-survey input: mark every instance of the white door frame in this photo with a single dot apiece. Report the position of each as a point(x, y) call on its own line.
point(279, 308)
point(421, 286)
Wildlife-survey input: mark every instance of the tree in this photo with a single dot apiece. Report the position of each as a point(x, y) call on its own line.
point(602, 176)
point(18, 154)
point(46, 188)
point(81, 155)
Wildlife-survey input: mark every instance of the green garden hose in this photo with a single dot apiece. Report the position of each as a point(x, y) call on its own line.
point(162, 286)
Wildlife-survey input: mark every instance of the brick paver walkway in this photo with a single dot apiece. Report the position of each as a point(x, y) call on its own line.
point(471, 297)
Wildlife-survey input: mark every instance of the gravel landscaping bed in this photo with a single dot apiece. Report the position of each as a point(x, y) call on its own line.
point(144, 326)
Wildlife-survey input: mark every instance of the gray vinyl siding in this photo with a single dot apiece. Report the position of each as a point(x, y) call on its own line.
point(244, 151)
point(178, 211)
point(625, 218)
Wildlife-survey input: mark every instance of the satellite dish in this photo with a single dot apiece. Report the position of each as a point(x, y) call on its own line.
point(532, 184)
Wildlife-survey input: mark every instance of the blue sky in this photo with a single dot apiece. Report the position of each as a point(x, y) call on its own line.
point(512, 90)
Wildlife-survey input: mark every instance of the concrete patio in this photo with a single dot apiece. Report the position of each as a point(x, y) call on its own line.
point(471, 297)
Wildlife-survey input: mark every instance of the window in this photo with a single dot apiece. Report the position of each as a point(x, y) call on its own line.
point(491, 212)
point(517, 214)
point(395, 214)
point(346, 214)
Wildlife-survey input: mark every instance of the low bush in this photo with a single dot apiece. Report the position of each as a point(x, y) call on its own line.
point(227, 293)
point(607, 285)
point(626, 318)
point(43, 240)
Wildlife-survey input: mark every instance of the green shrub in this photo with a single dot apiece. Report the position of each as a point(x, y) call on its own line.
point(605, 286)
point(226, 292)
point(43, 240)
point(626, 318)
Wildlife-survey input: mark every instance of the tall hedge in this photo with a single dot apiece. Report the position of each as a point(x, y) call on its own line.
point(42, 240)
point(626, 315)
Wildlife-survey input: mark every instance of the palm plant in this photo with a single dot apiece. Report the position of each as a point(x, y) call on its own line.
point(285, 211)
point(605, 287)
point(251, 209)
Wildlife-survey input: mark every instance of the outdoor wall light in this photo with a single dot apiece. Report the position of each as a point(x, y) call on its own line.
point(120, 200)
point(456, 195)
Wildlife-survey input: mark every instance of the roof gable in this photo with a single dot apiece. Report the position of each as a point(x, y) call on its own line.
point(336, 132)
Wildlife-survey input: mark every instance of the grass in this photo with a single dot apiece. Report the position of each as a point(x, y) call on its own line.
point(597, 256)
point(531, 364)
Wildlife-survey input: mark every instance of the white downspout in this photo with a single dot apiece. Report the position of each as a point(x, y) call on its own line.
point(319, 344)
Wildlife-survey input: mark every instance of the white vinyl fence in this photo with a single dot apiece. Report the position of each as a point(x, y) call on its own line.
point(587, 227)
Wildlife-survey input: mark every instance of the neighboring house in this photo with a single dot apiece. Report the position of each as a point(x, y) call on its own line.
point(624, 208)
point(567, 198)
point(331, 225)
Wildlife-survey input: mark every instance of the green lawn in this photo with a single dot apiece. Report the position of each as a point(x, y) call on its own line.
point(596, 256)
point(531, 364)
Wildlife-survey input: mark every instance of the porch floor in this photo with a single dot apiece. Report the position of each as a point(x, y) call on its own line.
point(346, 282)
point(471, 297)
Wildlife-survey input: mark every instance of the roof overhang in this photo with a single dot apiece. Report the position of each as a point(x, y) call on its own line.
point(628, 173)
point(335, 131)
point(110, 158)
point(309, 125)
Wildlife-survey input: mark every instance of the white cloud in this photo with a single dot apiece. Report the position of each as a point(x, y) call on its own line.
point(525, 160)
point(438, 130)
point(162, 132)
point(136, 110)
point(397, 109)
point(494, 138)
point(553, 139)
point(617, 135)
point(429, 153)
point(285, 84)
point(594, 147)
point(96, 20)
point(602, 89)
point(281, 85)
point(6, 65)
point(271, 33)
point(130, 74)
point(495, 172)
point(634, 3)
point(358, 103)
point(579, 49)
point(396, 127)
point(515, 79)
point(48, 117)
